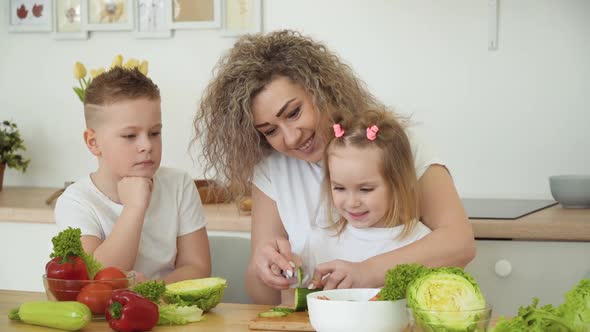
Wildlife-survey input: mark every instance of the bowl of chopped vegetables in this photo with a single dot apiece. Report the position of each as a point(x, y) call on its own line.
point(355, 309)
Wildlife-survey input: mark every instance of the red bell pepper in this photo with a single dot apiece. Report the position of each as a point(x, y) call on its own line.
point(128, 311)
point(67, 270)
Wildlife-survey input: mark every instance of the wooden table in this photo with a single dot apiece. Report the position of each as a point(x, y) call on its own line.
point(224, 317)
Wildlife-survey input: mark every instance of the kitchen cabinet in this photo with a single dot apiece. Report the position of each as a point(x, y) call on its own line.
point(25, 249)
point(511, 273)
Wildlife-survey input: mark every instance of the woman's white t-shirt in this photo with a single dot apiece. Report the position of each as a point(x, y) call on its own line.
point(175, 209)
point(295, 186)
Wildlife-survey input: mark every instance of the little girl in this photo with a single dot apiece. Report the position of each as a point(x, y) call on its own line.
point(371, 184)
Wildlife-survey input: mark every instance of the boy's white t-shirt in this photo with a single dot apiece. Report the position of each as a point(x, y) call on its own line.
point(295, 186)
point(354, 244)
point(175, 209)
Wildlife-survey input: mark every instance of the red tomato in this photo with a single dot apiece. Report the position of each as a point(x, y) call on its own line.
point(117, 279)
point(96, 296)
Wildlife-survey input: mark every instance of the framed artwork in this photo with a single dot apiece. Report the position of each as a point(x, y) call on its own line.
point(70, 19)
point(29, 15)
point(109, 15)
point(152, 19)
point(242, 16)
point(195, 14)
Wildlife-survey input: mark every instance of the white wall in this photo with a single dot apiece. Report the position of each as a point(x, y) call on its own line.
point(503, 120)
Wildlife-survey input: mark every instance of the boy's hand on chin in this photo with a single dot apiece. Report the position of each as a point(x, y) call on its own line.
point(135, 192)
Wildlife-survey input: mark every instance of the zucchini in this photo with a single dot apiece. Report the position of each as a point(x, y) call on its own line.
point(273, 314)
point(301, 298)
point(64, 315)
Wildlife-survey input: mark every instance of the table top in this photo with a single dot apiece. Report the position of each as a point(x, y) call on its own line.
point(224, 317)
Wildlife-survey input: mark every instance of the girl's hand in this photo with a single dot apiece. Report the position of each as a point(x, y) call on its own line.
point(275, 264)
point(339, 274)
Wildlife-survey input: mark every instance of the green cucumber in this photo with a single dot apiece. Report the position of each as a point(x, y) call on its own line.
point(283, 309)
point(64, 315)
point(299, 277)
point(273, 314)
point(301, 297)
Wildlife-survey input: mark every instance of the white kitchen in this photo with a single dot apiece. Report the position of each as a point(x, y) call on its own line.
point(498, 89)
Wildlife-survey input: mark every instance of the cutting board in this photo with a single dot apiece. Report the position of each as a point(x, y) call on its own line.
point(297, 321)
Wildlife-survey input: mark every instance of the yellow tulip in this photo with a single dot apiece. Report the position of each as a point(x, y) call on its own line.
point(143, 67)
point(131, 63)
point(117, 61)
point(79, 71)
point(96, 72)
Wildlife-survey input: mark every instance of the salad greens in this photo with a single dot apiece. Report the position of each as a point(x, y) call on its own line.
point(571, 316)
point(169, 314)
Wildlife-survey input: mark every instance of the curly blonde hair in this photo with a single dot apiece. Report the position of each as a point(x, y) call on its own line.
point(224, 124)
point(397, 164)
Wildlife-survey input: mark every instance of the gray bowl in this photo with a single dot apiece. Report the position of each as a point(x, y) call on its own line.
point(571, 191)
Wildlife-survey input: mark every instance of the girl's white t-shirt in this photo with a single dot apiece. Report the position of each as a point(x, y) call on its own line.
point(175, 209)
point(354, 244)
point(295, 186)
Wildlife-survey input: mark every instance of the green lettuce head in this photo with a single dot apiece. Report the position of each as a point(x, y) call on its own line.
point(446, 299)
point(205, 293)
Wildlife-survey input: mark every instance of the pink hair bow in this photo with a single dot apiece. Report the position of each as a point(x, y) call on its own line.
point(372, 132)
point(338, 131)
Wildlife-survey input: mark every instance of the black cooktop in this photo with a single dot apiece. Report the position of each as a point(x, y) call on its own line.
point(491, 208)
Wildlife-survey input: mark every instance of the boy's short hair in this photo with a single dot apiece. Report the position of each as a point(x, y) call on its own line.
point(116, 85)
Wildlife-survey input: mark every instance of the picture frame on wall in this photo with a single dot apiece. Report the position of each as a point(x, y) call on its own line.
point(70, 19)
point(152, 19)
point(110, 15)
point(241, 17)
point(29, 15)
point(195, 14)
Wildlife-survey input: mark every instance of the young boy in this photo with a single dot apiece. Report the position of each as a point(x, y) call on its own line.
point(133, 214)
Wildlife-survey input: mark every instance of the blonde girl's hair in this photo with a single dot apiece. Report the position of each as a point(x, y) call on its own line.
point(397, 164)
point(224, 125)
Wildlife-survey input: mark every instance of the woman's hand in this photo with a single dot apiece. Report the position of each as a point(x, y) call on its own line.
point(339, 274)
point(275, 263)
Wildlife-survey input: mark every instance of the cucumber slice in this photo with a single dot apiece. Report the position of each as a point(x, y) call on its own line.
point(272, 314)
point(283, 309)
point(301, 297)
point(300, 277)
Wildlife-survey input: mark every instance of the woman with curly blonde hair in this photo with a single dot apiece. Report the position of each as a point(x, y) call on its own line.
point(263, 123)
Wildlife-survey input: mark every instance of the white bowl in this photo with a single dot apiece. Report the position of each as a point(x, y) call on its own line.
point(349, 310)
point(571, 191)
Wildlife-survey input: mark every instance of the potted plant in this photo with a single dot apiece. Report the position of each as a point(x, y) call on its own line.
point(10, 144)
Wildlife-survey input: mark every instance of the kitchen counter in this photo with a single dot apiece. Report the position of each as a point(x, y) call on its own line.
point(19, 204)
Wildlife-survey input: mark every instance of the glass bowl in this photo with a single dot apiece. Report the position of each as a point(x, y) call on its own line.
point(94, 293)
point(436, 320)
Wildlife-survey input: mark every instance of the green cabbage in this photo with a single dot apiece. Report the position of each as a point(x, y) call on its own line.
point(205, 293)
point(446, 299)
